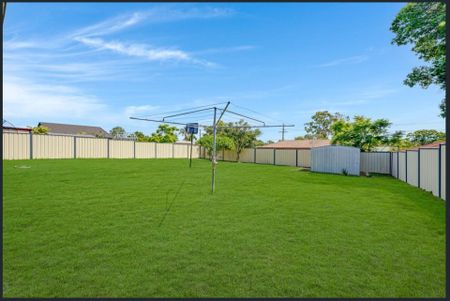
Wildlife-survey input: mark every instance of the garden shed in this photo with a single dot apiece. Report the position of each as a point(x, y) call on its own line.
point(336, 159)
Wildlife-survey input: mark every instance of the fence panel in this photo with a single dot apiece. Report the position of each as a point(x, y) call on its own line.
point(429, 170)
point(443, 171)
point(264, 156)
point(412, 162)
point(402, 166)
point(145, 150)
point(16, 146)
point(247, 155)
point(394, 164)
point(376, 162)
point(92, 148)
point(196, 151)
point(163, 150)
point(121, 149)
point(304, 158)
point(285, 157)
point(181, 150)
point(219, 155)
point(230, 155)
point(53, 147)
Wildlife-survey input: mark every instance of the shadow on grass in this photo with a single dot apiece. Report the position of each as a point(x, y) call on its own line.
point(171, 203)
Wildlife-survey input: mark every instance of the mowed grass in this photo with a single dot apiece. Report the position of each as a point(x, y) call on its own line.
point(142, 228)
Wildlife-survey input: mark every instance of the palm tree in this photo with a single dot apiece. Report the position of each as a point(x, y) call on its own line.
point(186, 135)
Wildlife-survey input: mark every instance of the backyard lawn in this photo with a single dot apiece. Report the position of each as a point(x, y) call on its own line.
point(142, 228)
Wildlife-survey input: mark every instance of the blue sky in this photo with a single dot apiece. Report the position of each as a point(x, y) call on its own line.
point(99, 63)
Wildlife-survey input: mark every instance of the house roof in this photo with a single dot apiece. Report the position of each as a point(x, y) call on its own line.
point(306, 144)
point(10, 128)
point(73, 129)
point(430, 145)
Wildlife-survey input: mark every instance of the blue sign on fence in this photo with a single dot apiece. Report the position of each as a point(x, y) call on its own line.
point(192, 128)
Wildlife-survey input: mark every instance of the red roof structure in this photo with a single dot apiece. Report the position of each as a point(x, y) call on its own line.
point(430, 145)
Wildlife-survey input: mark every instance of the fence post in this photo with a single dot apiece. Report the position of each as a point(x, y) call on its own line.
point(108, 149)
point(254, 155)
point(390, 163)
point(74, 147)
point(439, 171)
point(134, 149)
point(223, 155)
point(418, 167)
point(398, 164)
point(274, 155)
point(296, 158)
point(31, 145)
point(173, 150)
point(156, 150)
point(406, 166)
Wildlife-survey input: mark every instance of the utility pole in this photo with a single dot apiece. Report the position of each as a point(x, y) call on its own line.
point(282, 132)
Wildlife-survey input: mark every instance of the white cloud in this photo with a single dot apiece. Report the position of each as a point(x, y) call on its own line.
point(346, 61)
point(111, 25)
point(14, 45)
point(24, 99)
point(138, 50)
point(139, 110)
point(143, 51)
point(226, 49)
point(156, 15)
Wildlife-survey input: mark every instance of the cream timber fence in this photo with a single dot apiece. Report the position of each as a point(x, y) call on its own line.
point(21, 146)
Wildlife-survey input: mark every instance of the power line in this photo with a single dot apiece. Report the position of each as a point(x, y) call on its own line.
point(181, 110)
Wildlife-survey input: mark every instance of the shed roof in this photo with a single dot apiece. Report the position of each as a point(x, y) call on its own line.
point(306, 144)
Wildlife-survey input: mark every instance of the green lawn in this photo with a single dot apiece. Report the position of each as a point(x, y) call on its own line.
point(136, 228)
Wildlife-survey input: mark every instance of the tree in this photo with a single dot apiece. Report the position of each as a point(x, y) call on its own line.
point(164, 134)
point(362, 132)
point(398, 141)
point(40, 129)
point(270, 142)
point(242, 135)
point(320, 125)
point(239, 132)
point(140, 137)
point(305, 137)
point(222, 142)
point(117, 132)
point(258, 143)
point(422, 137)
point(186, 136)
point(423, 25)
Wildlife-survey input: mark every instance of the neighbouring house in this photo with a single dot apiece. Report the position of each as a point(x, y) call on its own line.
point(10, 129)
point(75, 130)
point(297, 144)
point(430, 145)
